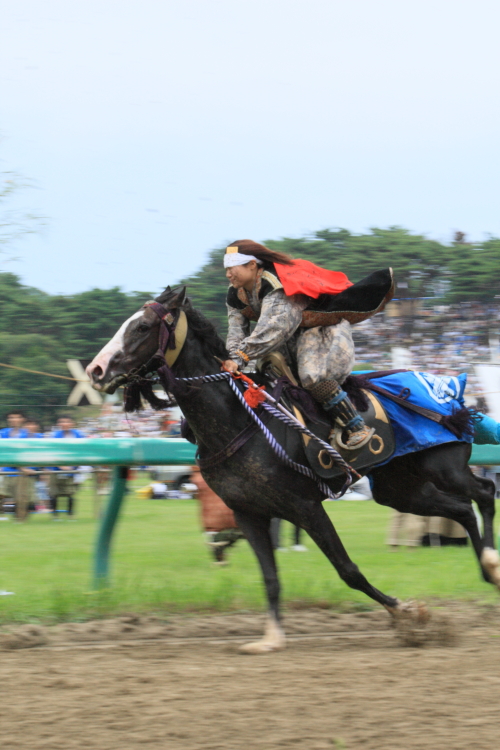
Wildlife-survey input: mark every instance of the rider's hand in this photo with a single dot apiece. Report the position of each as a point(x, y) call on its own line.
point(230, 365)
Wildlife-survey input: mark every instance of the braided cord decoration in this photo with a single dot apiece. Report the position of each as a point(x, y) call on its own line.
point(275, 446)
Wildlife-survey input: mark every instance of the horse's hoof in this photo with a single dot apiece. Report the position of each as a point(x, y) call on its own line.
point(415, 628)
point(261, 647)
point(490, 562)
point(410, 621)
point(274, 639)
point(411, 610)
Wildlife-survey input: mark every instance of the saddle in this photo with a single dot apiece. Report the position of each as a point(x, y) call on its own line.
point(379, 448)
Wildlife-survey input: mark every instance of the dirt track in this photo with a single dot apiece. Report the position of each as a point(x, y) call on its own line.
point(345, 681)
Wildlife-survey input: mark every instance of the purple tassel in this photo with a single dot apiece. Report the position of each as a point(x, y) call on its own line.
point(132, 397)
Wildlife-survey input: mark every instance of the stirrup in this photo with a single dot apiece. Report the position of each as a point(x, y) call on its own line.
point(369, 433)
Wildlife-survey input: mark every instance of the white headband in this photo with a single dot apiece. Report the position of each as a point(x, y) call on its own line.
point(234, 258)
point(238, 259)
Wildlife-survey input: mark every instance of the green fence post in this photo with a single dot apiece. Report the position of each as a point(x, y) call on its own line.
point(107, 525)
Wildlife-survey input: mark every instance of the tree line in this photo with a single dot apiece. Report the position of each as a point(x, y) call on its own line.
point(40, 331)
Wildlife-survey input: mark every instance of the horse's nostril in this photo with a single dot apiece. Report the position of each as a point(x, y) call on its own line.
point(96, 373)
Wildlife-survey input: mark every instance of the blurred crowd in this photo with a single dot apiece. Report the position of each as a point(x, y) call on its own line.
point(27, 489)
point(113, 422)
point(442, 340)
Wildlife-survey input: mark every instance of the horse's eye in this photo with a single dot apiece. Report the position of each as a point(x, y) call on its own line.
point(143, 328)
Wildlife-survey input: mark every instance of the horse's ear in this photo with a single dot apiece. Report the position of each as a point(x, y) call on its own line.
point(172, 298)
point(164, 295)
point(179, 298)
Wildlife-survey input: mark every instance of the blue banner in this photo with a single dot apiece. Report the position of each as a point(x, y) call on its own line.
point(413, 432)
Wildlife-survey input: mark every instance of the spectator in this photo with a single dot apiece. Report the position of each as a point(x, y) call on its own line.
point(218, 522)
point(15, 429)
point(408, 530)
point(158, 490)
point(33, 429)
point(405, 529)
point(62, 480)
point(16, 482)
point(275, 530)
point(37, 486)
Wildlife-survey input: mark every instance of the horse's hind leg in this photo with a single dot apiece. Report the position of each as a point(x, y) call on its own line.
point(456, 478)
point(429, 499)
point(485, 499)
point(256, 530)
point(484, 495)
point(318, 525)
point(483, 492)
point(448, 469)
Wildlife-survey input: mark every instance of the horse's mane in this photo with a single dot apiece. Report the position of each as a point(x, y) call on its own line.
point(205, 332)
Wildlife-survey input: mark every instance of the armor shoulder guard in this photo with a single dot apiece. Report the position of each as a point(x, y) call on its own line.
point(268, 283)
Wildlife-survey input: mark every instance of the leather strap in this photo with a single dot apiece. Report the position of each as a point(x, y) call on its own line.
point(406, 404)
point(231, 448)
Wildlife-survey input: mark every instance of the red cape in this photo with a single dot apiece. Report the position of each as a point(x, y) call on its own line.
point(306, 278)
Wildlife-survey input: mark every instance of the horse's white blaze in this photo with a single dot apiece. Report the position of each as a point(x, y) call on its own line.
point(490, 560)
point(114, 345)
point(274, 639)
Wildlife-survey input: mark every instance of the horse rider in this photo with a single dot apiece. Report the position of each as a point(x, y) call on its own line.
point(279, 293)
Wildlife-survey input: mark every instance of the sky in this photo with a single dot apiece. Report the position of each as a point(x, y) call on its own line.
point(155, 130)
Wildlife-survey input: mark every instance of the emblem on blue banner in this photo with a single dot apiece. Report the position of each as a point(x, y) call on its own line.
point(441, 389)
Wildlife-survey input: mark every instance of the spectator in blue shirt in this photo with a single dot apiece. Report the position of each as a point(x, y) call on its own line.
point(62, 481)
point(16, 429)
point(33, 429)
point(41, 497)
point(15, 481)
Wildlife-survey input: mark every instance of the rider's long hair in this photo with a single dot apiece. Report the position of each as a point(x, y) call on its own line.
point(263, 253)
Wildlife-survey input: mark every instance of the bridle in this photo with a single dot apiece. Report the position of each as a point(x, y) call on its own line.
point(172, 334)
point(171, 339)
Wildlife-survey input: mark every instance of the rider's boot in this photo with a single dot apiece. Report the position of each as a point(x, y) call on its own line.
point(336, 402)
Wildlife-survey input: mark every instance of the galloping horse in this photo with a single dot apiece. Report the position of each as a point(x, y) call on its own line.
point(255, 485)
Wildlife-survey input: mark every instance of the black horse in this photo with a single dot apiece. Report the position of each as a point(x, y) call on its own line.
point(257, 486)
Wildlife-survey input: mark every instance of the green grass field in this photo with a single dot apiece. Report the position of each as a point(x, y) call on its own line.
point(160, 564)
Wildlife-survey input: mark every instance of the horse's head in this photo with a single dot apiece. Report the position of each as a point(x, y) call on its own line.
point(135, 342)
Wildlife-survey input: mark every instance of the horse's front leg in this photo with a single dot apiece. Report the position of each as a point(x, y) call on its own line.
point(256, 530)
point(317, 523)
